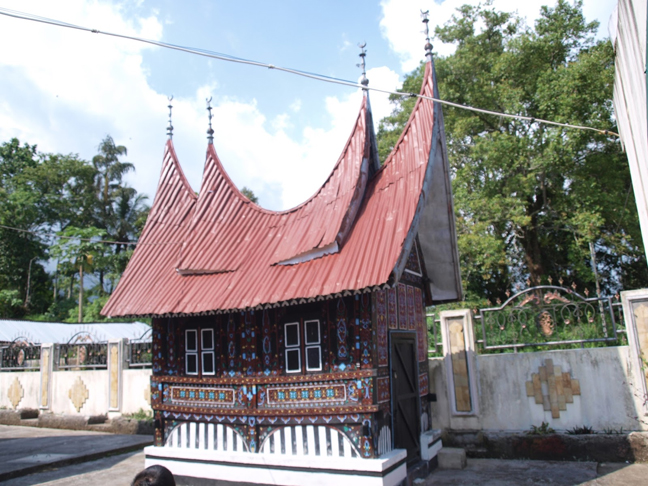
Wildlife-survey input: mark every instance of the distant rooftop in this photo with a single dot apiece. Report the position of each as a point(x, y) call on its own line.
point(60, 332)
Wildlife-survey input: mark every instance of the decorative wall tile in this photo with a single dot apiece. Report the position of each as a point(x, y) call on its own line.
point(411, 309)
point(402, 306)
point(341, 331)
point(15, 393)
point(266, 341)
point(559, 386)
point(114, 375)
point(308, 394)
point(421, 325)
point(78, 394)
point(383, 389)
point(381, 327)
point(392, 309)
point(46, 372)
point(459, 365)
point(202, 396)
point(413, 265)
point(365, 331)
point(424, 388)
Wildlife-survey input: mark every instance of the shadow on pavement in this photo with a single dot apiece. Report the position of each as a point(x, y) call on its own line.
point(118, 470)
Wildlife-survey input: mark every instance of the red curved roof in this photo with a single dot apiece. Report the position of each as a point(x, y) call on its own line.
point(218, 251)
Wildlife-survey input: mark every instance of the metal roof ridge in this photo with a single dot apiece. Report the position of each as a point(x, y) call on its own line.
point(427, 79)
point(408, 241)
point(169, 149)
point(364, 107)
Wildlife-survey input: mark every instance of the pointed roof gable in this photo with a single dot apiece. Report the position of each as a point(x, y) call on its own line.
point(223, 252)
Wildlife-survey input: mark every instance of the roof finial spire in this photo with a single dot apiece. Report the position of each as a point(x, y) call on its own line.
point(428, 44)
point(210, 131)
point(170, 127)
point(364, 81)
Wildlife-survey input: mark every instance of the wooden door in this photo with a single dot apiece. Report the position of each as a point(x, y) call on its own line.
point(405, 394)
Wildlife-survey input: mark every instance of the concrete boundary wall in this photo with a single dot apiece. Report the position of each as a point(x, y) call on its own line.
point(565, 388)
point(78, 392)
point(602, 388)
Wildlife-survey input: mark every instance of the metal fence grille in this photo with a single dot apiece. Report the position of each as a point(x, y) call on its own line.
point(543, 316)
point(20, 357)
point(87, 356)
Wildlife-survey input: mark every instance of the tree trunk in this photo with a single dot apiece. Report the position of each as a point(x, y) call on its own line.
point(532, 254)
point(81, 293)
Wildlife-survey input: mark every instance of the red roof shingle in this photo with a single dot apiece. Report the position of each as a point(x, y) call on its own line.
point(218, 251)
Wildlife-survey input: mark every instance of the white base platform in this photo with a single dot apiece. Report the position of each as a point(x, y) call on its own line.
point(264, 469)
point(430, 444)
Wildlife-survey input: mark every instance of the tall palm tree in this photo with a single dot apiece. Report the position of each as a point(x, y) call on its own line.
point(130, 212)
point(110, 171)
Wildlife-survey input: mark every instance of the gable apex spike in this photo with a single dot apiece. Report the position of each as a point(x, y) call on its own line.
point(428, 45)
point(210, 130)
point(363, 53)
point(170, 127)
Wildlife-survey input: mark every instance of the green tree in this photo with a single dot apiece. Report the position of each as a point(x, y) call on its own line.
point(38, 192)
point(45, 193)
point(250, 195)
point(121, 211)
point(110, 172)
point(76, 251)
point(532, 201)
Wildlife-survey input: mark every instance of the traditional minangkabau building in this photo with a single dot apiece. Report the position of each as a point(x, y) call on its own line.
point(291, 347)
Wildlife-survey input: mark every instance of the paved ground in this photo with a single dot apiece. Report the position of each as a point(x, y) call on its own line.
point(496, 472)
point(29, 449)
point(50, 451)
point(114, 470)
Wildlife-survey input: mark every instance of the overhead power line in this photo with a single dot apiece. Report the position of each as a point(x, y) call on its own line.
point(55, 235)
point(319, 77)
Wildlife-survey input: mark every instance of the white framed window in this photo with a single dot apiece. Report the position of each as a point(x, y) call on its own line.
point(207, 352)
point(313, 344)
point(200, 358)
point(191, 351)
point(293, 347)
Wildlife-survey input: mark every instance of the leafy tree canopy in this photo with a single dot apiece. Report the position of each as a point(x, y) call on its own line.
point(532, 201)
point(250, 195)
point(41, 194)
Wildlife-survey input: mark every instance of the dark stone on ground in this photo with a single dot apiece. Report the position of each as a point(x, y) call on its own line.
point(28, 413)
point(631, 447)
point(97, 419)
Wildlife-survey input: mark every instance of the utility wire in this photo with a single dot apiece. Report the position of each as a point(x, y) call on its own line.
point(107, 242)
point(54, 235)
point(319, 77)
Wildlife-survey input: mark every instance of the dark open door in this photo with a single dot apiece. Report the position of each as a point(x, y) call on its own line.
point(405, 394)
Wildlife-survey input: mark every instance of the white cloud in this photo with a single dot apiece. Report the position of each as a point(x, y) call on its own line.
point(69, 89)
point(296, 106)
point(382, 78)
point(402, 27)
point(66, 90)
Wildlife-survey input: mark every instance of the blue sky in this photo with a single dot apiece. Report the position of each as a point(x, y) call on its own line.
point(276, 133)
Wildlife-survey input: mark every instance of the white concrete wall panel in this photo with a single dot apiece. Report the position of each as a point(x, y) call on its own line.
point(606, 399)
point(136, 390)
point(29, 382)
